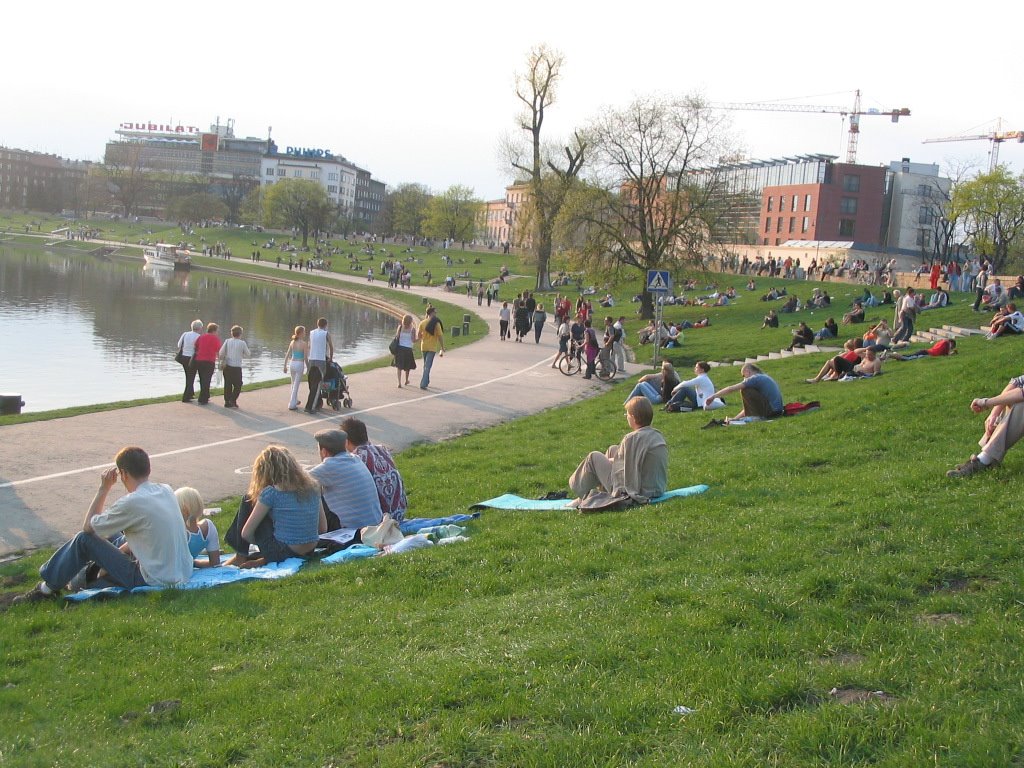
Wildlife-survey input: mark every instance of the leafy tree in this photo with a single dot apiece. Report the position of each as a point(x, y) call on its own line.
point(549, 180)
point(299, 203)
point(408, 205)
point(645, 206)
point(197, 207)
point(234, 191)
point(991, 206)
point(452, 214)
point(250, 211)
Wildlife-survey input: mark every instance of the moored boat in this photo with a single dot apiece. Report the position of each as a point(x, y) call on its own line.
point(167, 255)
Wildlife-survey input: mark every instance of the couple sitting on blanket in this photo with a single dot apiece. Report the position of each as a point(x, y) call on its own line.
point(151, 534)
point(286, 509)
point(636, 469)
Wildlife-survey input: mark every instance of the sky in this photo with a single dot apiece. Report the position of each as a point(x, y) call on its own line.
point(423, 92)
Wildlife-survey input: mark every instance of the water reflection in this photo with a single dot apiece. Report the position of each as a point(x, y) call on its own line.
point(80, 330)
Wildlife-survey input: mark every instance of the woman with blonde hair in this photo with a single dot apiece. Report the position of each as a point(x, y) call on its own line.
point(296, 358)
point(202, 533)
point(280, 513)
point(656, 387)
point(406, 337)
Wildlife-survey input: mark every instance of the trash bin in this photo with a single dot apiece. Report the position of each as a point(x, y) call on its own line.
point(465, 329)
point(465, 321)
point(11, 405)
point(456, 331)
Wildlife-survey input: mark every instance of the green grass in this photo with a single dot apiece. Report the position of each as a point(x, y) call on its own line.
point(829, 553)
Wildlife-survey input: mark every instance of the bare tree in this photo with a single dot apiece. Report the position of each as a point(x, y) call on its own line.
point(992, 206)
point(549, 180)
point(654, 199)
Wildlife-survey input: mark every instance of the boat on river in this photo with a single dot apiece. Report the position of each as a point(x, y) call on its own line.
point(167, 255)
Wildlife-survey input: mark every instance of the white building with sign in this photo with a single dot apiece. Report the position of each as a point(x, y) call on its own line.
point(348, 187)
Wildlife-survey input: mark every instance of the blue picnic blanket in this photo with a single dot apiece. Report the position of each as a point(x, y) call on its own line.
point(203, 578)
point(511, 501)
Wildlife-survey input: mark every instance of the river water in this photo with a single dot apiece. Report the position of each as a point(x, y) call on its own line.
point(80, 330)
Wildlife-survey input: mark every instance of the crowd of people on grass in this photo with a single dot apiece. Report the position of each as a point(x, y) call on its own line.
point(155, 536)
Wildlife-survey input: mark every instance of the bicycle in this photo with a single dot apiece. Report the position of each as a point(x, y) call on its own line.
point(573, 363)
point(606, 369)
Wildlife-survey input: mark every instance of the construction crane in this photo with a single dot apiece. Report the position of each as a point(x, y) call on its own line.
point(997, 137)
point(854, 115)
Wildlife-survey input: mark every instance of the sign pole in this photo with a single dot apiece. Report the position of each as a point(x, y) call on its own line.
point(659, 282)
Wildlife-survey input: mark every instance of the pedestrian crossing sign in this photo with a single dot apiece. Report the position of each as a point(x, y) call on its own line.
point(659, 281)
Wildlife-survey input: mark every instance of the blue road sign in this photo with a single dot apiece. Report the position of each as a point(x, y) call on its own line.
point(659, 281)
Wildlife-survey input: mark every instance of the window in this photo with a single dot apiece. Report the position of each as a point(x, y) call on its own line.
point(281, 172)
point(778, 224)
point(782, 202)
point(846, 227)
point(848, 205)
point(270, 171)
point(807, 202)
point(796, 202)
point(851, 182)
point(298, 173)
point(332, 176)
point(925, 215)
point(332, 189)
point(314, 174)
point(924, 238)
point(805, 224)
point(768, 224)
point(924, 190)
point(792, 222)
point(771, 203)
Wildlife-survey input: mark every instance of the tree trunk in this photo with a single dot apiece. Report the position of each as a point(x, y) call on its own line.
point(544, 261)
point(646, 305)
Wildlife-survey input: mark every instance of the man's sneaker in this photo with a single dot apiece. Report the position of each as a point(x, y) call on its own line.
point(35, 595)
point(968, 468)
point(714, 423)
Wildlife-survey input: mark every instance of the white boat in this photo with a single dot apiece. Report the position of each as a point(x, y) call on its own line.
point(167, 255)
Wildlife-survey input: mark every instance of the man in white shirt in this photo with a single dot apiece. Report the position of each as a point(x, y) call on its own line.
point(693, 394)
point(154, 532)
point(231, 354)
point(321, 349)
point(1008, 322)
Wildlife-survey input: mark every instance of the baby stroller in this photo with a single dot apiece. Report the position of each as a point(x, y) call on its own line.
point(334, 387)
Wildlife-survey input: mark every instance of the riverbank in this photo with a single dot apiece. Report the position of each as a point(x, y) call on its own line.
point(50, 467)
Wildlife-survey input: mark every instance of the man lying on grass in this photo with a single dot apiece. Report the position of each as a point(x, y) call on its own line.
point(155, 549)
point(637, 467)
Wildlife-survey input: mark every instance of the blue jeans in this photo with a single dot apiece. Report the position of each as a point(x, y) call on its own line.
point(646, 389)
point(87, 548)
point(428, 361)
point(685, 397)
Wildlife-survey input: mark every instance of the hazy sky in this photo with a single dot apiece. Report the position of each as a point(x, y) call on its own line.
point(422, 91)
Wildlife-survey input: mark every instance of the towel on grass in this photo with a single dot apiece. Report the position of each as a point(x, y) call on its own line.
point(511, 501)
point(203, 578)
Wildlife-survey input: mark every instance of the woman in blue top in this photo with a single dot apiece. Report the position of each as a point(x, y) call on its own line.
point(295, 362)
point(286, 519)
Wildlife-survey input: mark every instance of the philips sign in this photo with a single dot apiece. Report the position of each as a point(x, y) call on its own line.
point(305, 152)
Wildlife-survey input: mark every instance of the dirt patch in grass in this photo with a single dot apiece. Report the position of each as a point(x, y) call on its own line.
point(938, 619)
point(852, 695)
point(843, 659)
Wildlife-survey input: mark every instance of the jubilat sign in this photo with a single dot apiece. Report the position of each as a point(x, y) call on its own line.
point(159, 128)
point(305, 152)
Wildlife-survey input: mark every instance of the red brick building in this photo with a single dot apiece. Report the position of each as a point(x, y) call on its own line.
point(845, 205)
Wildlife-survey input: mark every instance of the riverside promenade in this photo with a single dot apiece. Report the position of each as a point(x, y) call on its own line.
point(49, 470)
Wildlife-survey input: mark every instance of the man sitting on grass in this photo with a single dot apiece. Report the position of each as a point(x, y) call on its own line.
point(1008, 321)
point(148, 516)
point(1003, 428)
point(637, 467)
point(378, 459)
point(762, 398)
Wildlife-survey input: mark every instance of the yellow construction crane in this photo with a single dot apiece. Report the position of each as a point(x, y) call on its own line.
point(854, 115)
point(997, 137)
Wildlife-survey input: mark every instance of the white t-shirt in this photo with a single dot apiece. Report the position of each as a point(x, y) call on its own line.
point(318, 344)
point(154, 530)
point(702, 386)
point(187, 342)
point(1016, 320)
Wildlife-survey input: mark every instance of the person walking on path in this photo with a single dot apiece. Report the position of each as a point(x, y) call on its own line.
point(186, 356)
point(431, 335)
point(504, 316)
point(295, 364)
point(207, 349)
point(539, 318)
point(232, 352)
point(321, 349)
point(405, 361)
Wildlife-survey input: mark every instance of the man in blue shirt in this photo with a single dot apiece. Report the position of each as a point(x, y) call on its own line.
point(762, 398)
point(349, 494)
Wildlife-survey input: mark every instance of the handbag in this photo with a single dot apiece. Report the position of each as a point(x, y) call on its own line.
point(393, 346)
point(384, 534)
point(179, 357)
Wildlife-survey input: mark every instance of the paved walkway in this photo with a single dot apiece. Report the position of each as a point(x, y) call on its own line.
point(50, 469)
